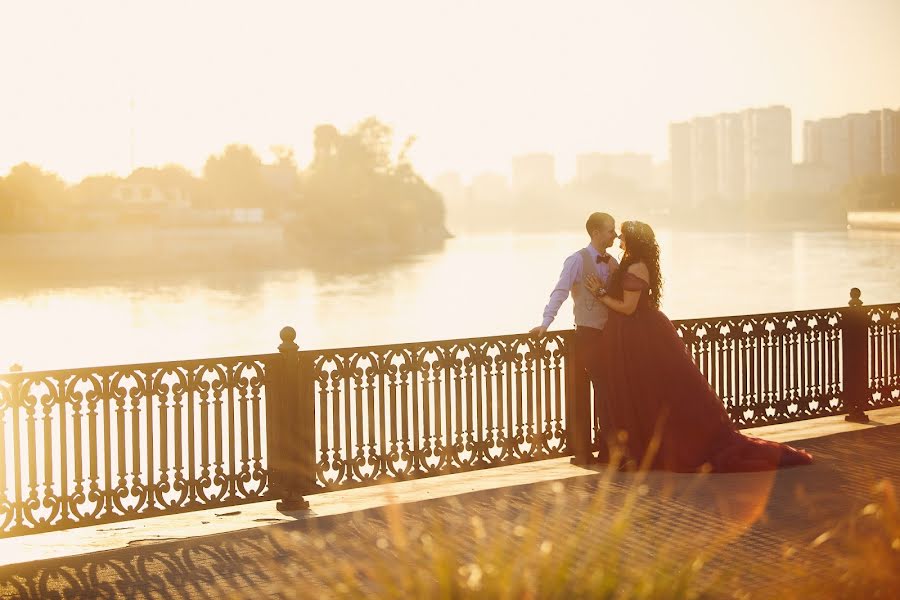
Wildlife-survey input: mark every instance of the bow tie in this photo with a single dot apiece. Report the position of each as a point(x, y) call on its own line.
point(603, 258)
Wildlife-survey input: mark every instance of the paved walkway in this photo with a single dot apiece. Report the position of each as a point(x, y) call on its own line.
point(504, 529)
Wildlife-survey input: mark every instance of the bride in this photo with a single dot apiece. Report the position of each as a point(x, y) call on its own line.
point(661, 407)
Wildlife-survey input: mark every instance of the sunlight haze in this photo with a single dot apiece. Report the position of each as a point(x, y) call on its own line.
point(475, 82)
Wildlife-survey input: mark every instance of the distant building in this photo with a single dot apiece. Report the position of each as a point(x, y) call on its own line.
point(854, 145)
point(768, 150)
point(534, 173)
point(730, 156)
point(827, 143)
point(865, 144)
point(240, 216)
point(488, 188)
point(130, 193)
point(812, 142)
point(680, 163)
point(143, 204)
point(890, 141)
point(704, 162)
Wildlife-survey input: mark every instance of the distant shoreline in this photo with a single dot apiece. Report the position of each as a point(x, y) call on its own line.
point(106, 256)
point(267, 245)
point(64, 259)
point(127, 243)
point(874, 220)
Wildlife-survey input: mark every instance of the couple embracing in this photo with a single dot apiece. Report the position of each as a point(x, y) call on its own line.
point(652, 402)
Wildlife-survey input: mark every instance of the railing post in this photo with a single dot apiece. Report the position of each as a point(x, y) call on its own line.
point(290, 418)
point(578, 400)
point(855, 350)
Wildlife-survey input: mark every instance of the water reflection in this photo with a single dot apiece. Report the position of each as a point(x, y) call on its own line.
point(476, 285)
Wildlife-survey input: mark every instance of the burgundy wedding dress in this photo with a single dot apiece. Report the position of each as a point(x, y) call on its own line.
point(654, 388)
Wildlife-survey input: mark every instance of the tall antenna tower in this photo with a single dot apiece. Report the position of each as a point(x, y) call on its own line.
point(131, 141)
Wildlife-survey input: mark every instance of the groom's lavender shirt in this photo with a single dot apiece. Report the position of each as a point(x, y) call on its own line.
point(573, 275)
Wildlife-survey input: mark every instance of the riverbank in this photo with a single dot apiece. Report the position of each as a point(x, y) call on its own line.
point(885, 220)
point(192, 249)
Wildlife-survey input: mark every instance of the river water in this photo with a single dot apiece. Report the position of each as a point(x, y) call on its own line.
point(477, 285)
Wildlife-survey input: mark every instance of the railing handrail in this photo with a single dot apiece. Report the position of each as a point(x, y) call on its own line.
point(134, 366)
point(440, 342)
point(789, 313)
point(446, 342)
point(512, 336)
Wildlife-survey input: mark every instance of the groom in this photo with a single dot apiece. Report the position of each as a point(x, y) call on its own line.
point(590, 314)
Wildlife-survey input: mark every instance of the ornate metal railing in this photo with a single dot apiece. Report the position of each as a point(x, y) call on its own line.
point(883, 353)
point(771, 368)
point(90, 446)
point(395, 412)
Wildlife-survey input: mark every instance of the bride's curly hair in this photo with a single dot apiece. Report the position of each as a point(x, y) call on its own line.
point(640, 246)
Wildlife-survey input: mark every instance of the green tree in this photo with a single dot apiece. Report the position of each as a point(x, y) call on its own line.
point(354, 191)
point(234, 179)
point(283, 178)
point(167, 176)
point(94, 190)
point(32, 199)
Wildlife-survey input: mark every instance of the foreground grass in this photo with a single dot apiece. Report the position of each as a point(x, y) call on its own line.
point(607, 535)
point(600, 542)
point(861, 554)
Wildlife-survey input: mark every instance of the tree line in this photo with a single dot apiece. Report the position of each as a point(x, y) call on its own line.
point(353, 189)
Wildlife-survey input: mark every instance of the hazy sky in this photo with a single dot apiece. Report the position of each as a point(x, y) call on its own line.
point(476, 82)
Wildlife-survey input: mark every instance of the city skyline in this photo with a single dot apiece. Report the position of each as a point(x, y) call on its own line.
point(726, 130)
point(723, 176)
point(476, 84)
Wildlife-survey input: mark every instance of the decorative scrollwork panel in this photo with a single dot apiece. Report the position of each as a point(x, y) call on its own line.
point(89, 446)
point(770, 368)
point(884, 355)
point(397, 412)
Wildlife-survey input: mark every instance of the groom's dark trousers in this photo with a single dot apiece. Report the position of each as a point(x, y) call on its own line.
point(589, 356)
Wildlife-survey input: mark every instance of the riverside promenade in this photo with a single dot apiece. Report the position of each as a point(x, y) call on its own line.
point(545, 528)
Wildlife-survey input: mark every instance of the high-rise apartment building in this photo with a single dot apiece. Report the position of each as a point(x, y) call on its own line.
point(890, 141)
point(730, 156)
point(865, 144)
point(704, 161)
point(768, 150)
point(827, 143)
point(855, 145)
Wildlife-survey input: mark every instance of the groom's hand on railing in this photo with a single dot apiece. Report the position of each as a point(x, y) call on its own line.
point(538, 331)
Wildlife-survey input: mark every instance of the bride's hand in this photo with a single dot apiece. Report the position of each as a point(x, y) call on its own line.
point(592, 283)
